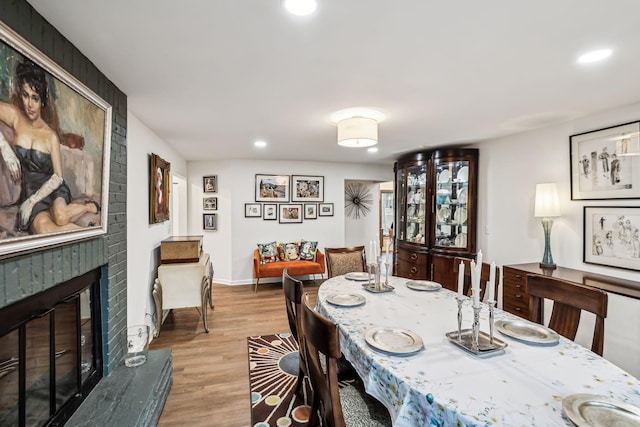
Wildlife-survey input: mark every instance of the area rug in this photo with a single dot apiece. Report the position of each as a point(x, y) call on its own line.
point(273, 371)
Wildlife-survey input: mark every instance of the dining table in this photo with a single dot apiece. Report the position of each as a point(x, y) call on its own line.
point(522, 383)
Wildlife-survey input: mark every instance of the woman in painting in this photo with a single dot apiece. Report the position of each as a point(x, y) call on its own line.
point(35, 158)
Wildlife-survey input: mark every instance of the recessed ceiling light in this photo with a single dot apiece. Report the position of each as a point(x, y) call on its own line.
point(372, 150)
point(594, 56)
point(260, 144)
point(300, 7)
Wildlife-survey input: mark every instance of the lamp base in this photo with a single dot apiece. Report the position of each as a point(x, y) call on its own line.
point(547, 266)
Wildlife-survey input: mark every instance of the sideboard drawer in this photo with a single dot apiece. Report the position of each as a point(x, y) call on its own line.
point(515, 300)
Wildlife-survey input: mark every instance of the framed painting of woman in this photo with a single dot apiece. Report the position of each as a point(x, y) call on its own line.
point(54, 152)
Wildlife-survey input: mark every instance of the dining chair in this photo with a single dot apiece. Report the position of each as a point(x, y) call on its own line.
point(345, 260)
point(569, 299)
point(333, 405)
point(484, 276)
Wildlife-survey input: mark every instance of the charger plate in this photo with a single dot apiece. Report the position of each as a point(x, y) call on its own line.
point(590, 410)
point(397, 341)
point(423, 285)
point(357, 275)
point(527, 331)
point(346, 300)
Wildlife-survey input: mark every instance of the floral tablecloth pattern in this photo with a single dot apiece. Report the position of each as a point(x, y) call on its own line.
point(442, 385)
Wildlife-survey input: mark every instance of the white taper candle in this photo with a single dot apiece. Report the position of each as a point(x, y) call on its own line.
point(460, 279)
point(492, 280)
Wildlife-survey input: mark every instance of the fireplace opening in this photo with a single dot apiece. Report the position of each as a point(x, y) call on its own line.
point(50, 352)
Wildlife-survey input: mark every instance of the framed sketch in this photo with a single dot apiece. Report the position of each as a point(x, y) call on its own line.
point(210, 221)
point(272, 188)
point(325, 209)
point(290, 213)
point(210, 203)
point(310, 210)
point(72, 120)
point(605, 163)
point(252, 210)
point(612, 236)
point(307, 188)
point(210, 184)
point(270, 211)
point(159, 185)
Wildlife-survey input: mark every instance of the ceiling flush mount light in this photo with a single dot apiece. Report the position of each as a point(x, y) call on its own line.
point(300, 7)
point(357, 132)
point(260, 144)
point(594, 56)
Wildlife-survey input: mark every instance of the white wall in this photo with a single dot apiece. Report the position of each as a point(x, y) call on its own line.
point(508, 232)
point(143, 239)
point(231, 246)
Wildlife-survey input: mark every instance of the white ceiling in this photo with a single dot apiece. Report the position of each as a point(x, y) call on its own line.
point(211, 76)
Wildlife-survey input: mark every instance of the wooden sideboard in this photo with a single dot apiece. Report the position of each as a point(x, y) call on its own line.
point(514, 278)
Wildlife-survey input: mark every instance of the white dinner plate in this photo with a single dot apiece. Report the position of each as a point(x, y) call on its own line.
point(357, 275)
point(396, 341)
point(346, 300)
point(463, 174)
point(527, 331)
point(461, 240)
point(423, 285)
point(590, 410)
point(444, 176)
point(460, 216)
point(443, 214)
point(462, 196)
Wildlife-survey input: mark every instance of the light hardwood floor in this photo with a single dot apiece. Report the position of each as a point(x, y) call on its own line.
point(210, 370)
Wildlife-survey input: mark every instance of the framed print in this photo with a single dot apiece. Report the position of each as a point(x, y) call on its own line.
point(307, 188)
point(272, 188)
point(159, 180)
point(325, 209)
point(605, 163)
point(73, 136)
point(310, 210)
point(210, 203)
point(252, 210)
point(290, 213)
point(210, 184)
point(210, 221)
point(612, 236)
point(270, 211)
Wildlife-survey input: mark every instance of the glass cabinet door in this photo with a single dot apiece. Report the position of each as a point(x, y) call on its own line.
point(415, 203)
point(450, 204)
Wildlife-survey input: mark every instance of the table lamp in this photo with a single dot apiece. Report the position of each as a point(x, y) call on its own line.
point(547, 207)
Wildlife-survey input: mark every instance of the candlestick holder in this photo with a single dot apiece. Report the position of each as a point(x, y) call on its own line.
point(476, 327)
point(387, 265)
point(459, 299)
point(375, 284)
point(474, 340)
point(492, 305)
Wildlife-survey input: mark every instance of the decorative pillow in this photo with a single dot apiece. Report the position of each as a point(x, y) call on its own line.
point(268, 252)
point(289, 251)
point(308, 250)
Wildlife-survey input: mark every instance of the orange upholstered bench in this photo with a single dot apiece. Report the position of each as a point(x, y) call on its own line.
point(296, 268)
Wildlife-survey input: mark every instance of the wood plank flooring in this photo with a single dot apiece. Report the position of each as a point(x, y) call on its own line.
point(210, 370)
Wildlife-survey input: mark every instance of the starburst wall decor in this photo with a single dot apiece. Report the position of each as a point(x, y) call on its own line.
point(358, 200)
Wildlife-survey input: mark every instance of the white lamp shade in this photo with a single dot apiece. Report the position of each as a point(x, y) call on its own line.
point(357, 132)
point(547, 200)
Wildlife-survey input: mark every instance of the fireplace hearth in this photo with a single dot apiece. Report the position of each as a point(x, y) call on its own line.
point(50, 352)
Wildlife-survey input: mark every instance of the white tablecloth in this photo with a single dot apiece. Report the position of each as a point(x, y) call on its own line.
point(443, 385)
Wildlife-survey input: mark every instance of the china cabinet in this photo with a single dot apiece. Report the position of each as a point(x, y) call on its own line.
point(436, 193)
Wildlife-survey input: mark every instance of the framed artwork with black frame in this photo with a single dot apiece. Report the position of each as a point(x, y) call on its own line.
point(210, 203)
point(252, 210)
point(290, 213)
point(210, 184)
point(159, 180)
point(325, 209)
point(310, 210)
point(272, 188)
point(306, 188)
point(270, 211)
point(605, 163)
point(612, 236)
point(210, 221)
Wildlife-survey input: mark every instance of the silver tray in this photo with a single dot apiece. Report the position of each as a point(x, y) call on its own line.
point(357, 275)
point(527, 331)
point(590, 410)
point(346, 300)
point(423, 285)
point(371, 287)
point(396, 341)
point(485, 349)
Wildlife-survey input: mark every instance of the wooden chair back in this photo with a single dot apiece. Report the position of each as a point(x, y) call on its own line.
point(345, 260)
point(322, 339)
point(484, 277)
point(569, 299)
point(293, 291)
